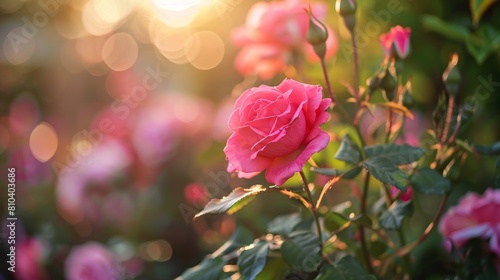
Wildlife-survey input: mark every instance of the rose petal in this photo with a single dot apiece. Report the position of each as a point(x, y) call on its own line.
point(290, 141)
point(281, 169)
point(241, 157)
point(321, 117)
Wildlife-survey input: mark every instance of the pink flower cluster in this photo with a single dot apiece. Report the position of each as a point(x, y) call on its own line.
point(475, 216)
point(273, 33)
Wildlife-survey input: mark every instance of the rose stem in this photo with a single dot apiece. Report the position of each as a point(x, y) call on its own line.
point(356, 67)
point(364, 248)
point(449, 115)
point(330, 91)
point(389, 127)
point(314, 210)
point(406, 259)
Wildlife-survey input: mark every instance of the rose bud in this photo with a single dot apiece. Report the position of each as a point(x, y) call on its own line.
point(451, 76)
point(347, 9)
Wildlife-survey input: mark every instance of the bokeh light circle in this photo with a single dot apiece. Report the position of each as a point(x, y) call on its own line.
point(43, 142)
point(205, 50)
point(17, 47)
point(120, 51)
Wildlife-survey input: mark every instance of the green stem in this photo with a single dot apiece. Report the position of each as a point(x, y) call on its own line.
point(389, 127)
point(356, 67)
point(449, 115)
point(406, 258)
point(330, 91)
point(313, 208)
point(364, 246)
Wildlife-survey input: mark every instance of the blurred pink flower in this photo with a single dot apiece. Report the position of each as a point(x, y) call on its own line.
point(396, 42)
point(155, 135)
point(273, 31)
point(474, 216)
point(406, 196)
point(412, 129)
point(104, 162)
point(24, 115)
point(30, 252)
point(195, 194)
point(92, 261)
point(276, 129)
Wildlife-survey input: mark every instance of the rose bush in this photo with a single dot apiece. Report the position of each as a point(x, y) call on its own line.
point(276, 129)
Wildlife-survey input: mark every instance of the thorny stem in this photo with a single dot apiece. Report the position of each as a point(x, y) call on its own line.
point(406, 258)
point(388, 127)
point(364, 246)
point(449, 115)
point(330, 91)
point(356, 68)
point(313, 208)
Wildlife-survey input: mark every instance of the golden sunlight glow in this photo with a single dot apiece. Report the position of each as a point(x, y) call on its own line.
point(179, 13)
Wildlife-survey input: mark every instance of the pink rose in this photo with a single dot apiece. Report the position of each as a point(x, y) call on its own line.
point(276, 129)
point(92, 261)
point(273, 32)
point(396, 42)
point(474, 216)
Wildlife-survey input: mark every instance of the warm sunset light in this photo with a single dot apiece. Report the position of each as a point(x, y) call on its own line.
point(249, 139)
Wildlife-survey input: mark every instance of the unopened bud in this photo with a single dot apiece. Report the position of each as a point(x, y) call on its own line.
point(408, 99)
point(347, 9)
point(373, 82)
point(451, 76)
point(389, 84)
point(317, 34)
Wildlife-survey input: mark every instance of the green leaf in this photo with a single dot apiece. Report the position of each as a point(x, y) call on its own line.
point(483, 42)
point(347, 268)
point(302, 252)
point(465, 146)
point(240, 238)
point(397, 154)
point(429, 181)
point(334, 221)
point(275, 269)
point(238, 198)
point(208, 269)
point(382, 161)
point(478, 7)
point(348, 151)
point(378, 249)
point(393, 217)
point(337, 172)
point(493, 149)
point(327, 171)
point(362, 220)
point(253, 259)
point(385, 171)
point(448, 30)
point(284, 225)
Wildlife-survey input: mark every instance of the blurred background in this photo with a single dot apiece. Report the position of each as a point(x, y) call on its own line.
point(114, 114)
